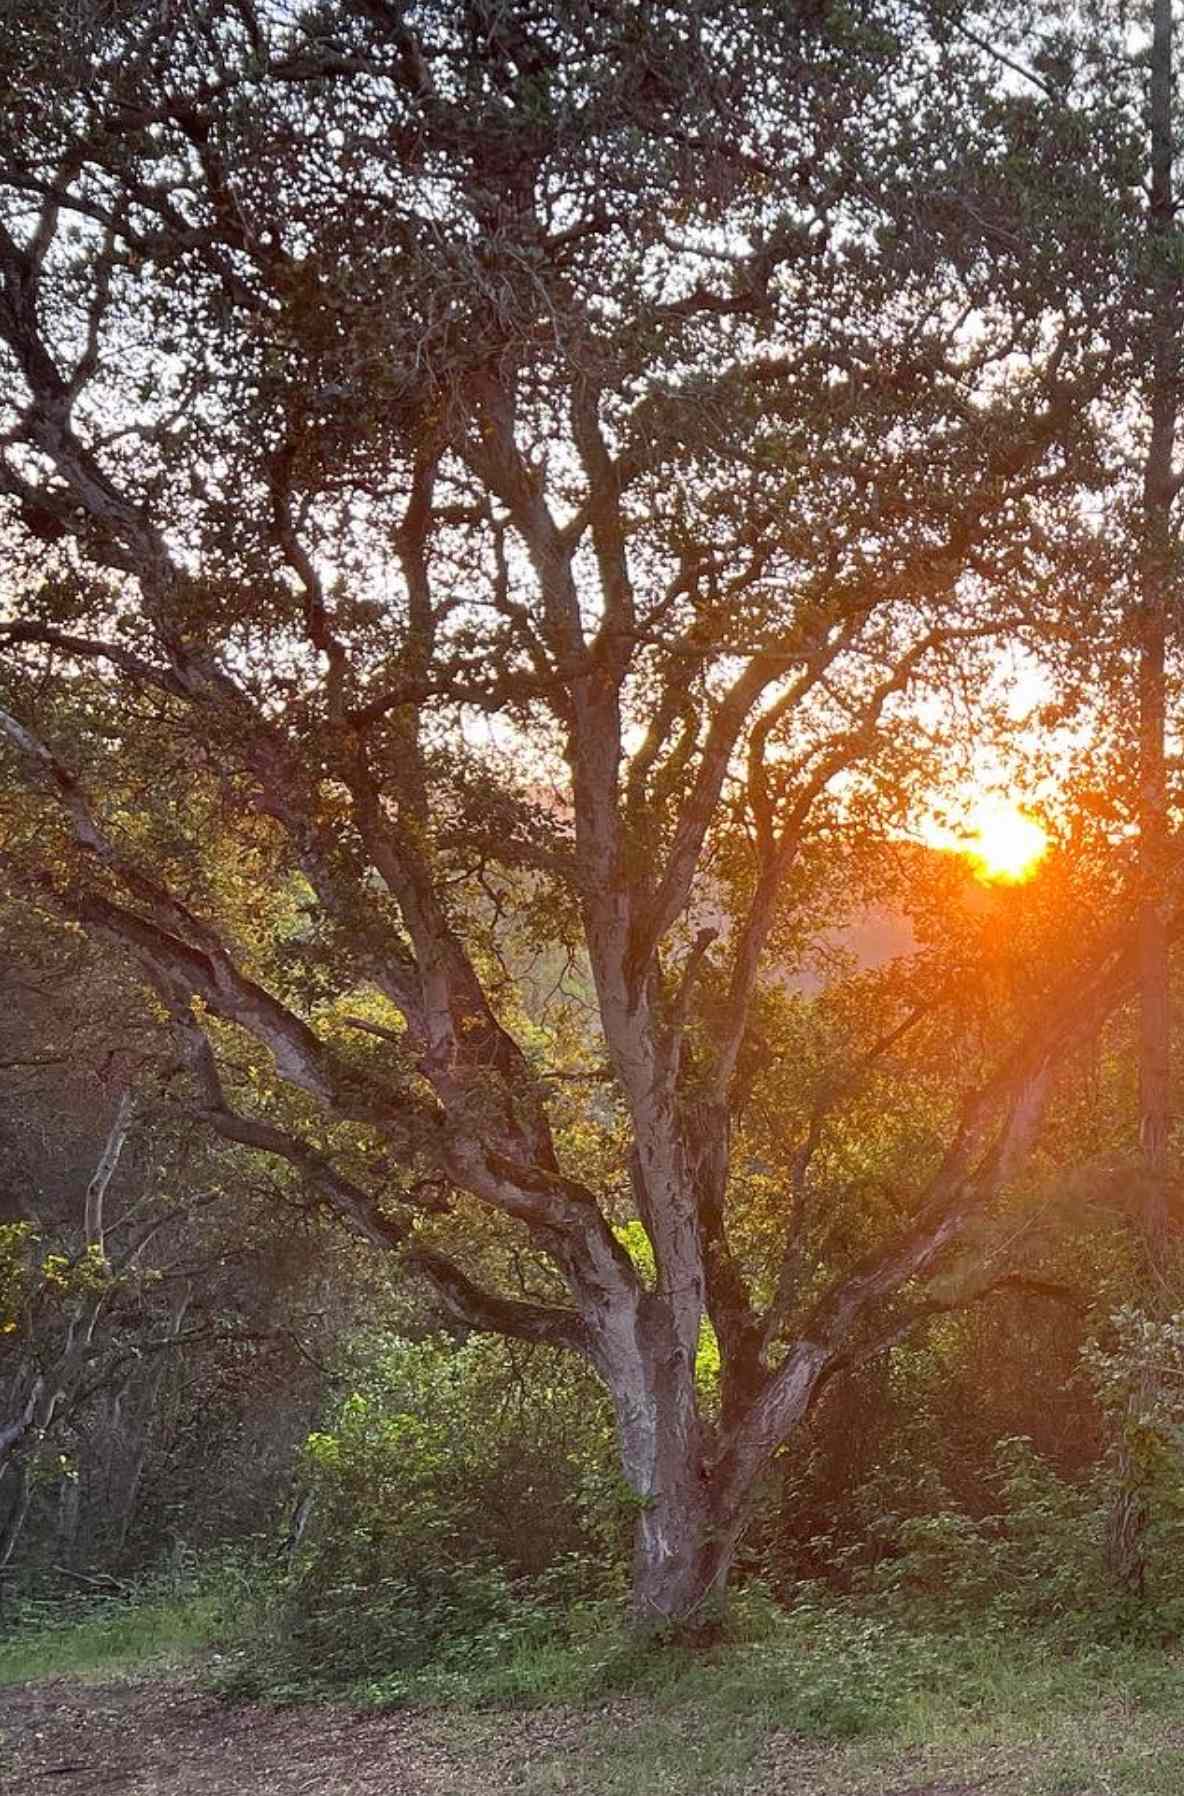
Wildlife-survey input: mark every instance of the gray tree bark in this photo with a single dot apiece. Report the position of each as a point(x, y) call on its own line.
point(1156, 577)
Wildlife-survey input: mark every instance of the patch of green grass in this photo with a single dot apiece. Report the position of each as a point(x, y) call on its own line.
point(835, 1704)
point(167, 1617)
point(114, 1638)
point(998, 1727)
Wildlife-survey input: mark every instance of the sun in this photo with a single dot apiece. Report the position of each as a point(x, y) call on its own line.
point(1004, 844)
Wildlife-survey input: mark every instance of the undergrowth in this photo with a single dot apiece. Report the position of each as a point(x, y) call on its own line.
point(822, 1669)
point(873, 1686)
point(163, 1619)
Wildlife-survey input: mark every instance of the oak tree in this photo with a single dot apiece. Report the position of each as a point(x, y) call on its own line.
point(478, 470)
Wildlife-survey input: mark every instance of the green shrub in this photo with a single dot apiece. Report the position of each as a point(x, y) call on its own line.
point(460, 1494)
point(1035, 1558)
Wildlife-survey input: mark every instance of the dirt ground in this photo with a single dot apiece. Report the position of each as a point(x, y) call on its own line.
point(170, 1736)
point(143, 1736)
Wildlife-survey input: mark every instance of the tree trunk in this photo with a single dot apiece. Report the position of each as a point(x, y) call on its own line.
point(693, 1479)
point(69, 1516)
point(140, 1430)
point(104, 1172)
point(682, 1556)
point(1129, 1517)
point(1155, 581)
point(20, 1503)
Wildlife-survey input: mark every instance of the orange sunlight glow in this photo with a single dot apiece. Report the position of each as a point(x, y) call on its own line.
point(1003, 843)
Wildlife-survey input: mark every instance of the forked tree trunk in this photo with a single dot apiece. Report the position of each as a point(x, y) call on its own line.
point(693, 1480)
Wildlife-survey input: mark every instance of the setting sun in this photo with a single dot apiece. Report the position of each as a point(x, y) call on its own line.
point(1004, 843)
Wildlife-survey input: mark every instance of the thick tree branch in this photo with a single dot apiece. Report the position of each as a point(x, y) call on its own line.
point(489, 1313)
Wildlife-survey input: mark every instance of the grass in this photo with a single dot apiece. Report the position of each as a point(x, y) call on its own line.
point(824, 1703)
point(857, 1705)
point(887, 1713)
point(114, 1637)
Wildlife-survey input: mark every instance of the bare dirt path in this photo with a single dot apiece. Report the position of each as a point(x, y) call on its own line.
point(169, 1735)
point(140, 1736)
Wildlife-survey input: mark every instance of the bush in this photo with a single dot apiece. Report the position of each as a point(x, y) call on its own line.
point(457, 1491)
point(1035, 1559)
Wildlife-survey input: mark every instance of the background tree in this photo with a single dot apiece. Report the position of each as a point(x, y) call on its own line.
point(1158, 574)
point(161, 1351)
point(1123, 59)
